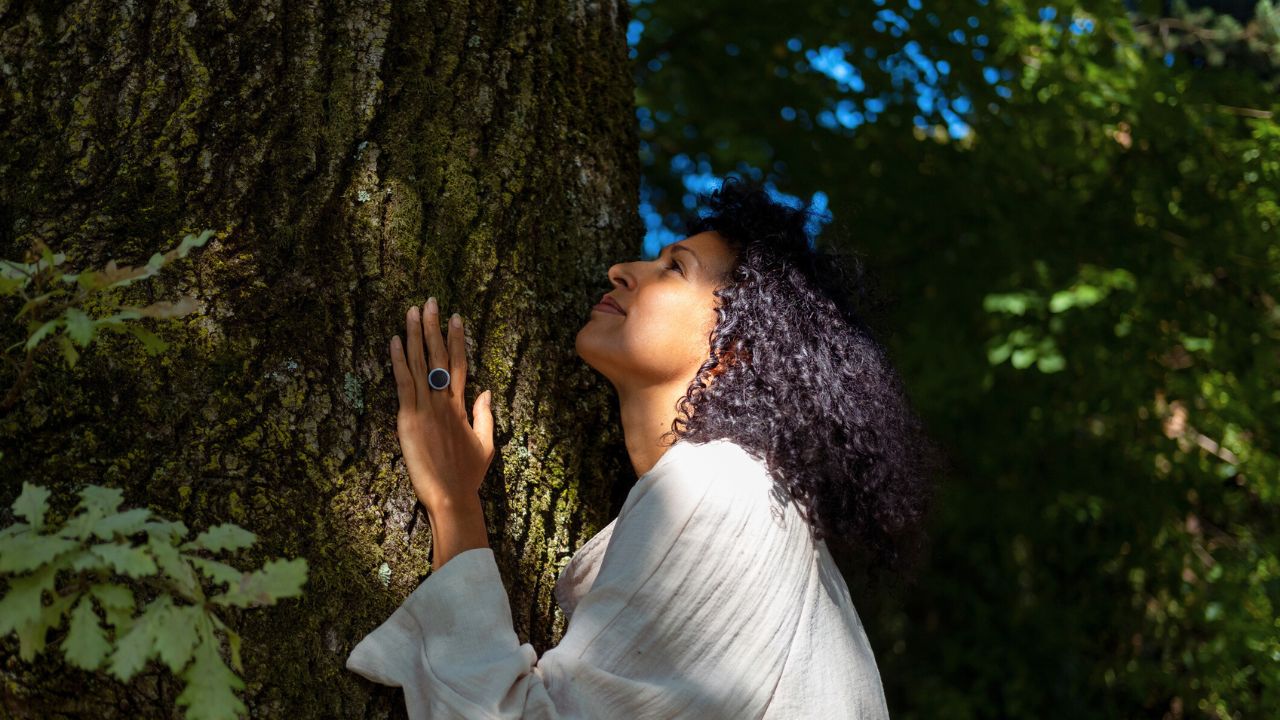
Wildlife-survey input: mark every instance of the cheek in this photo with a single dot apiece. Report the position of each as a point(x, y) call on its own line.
point(694, 334)
point(676, 326)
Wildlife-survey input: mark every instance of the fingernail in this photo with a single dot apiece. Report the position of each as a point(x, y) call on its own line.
point(431, 305)
point(413, 312)
point(456, 320)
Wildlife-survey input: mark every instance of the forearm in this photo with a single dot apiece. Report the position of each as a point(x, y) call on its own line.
point(456, 525)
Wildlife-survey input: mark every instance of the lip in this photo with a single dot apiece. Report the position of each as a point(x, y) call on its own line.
point(605, 307)
point(609, 305)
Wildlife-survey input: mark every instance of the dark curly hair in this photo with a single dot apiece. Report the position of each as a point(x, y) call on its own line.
point(796, 378)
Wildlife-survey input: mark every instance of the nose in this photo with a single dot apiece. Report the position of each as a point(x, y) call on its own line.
point(620, 276)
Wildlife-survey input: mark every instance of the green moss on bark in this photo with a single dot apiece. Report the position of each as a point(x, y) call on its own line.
point(354, 160)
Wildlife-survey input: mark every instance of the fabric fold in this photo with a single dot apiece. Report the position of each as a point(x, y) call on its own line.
point(691, 611)
point(464, 609)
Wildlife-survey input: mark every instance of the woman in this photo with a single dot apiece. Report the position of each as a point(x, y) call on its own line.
point(713, 594)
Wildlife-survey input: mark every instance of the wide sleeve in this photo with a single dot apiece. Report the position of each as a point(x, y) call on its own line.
point(692, 613)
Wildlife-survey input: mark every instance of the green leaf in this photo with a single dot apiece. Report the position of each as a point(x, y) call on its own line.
point(1213, 611)
point(22, 604)
point(172, 564)
point(1051, 363)
point(117, 603)
point(79, 326)
point(138, 644)
point(11, 269)
point(211, 685)
point(77, 527)
point(96, 503)
point(176, 639)
point(39, 334)
point(1000, 353)
point(86, 643)
point(226, 536)
point(35, 302)
point(150, 341)
point(191, 241)
point(9, 286)
point(126, 559)
point(86, 561)
point(90, 280)
point(1012, 303)
point(233, 642)
point(27, 551)
point(14, 529)
point(101, 500)
point(168, 530)
point(50, 258)
point(277, 579)
point(32, 504)
point(69, 352)
point(219, 573)
point(32, 636)
point(1061, 300)
point(120, 317)
point(125, 523)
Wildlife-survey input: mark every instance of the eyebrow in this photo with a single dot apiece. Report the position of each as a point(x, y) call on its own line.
point(675, 247)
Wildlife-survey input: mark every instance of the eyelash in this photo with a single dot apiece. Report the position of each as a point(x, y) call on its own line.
point(673, 266)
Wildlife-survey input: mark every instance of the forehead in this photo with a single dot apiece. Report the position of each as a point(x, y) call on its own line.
point(710, 247)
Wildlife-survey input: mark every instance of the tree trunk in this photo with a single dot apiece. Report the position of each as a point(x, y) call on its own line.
point(354, 158)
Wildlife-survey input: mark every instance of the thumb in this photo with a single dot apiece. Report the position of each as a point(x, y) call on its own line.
point(483, 425)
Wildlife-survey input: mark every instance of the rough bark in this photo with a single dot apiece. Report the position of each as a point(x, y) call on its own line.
point(354, 158)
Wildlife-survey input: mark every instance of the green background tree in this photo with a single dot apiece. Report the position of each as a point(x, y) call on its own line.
point(1072, 210)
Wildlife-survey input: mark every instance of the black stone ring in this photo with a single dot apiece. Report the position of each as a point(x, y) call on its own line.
point(438, 379)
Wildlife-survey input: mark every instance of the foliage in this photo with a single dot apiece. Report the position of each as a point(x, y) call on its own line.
point(1218, 38)
point(52, 308)
point(178, 625)
point(1075, 207)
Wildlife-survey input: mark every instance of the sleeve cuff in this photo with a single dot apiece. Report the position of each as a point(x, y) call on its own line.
point(459, 618)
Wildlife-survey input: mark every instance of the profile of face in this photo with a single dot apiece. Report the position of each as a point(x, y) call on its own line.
point(669, 312)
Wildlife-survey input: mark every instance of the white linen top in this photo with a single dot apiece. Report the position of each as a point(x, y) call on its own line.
point(706, 597)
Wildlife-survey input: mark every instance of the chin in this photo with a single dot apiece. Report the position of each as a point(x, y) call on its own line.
point(588, 353)
point(577, 346)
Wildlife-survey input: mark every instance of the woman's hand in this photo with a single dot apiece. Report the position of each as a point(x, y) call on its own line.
point(446, 455)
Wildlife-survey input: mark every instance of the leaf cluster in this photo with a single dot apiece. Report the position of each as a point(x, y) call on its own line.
point(54, 300)
point(89, 566)
point(108, 628)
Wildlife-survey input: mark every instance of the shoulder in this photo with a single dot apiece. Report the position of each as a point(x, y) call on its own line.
point(724, 455)
point(696, 469)
point(718, 484)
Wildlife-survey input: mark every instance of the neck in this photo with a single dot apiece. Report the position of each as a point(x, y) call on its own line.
point(647, 413)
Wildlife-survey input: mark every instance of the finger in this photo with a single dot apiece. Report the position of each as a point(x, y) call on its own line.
point(458, 363)
point(417, 363)
point(482, 411)
point(436, 356)
point(405, 389)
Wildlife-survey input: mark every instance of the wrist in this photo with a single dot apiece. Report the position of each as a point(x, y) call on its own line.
point(452, 504)
point(457, 525)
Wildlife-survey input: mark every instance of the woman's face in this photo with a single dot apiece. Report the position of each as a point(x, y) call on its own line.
point(670, 312)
